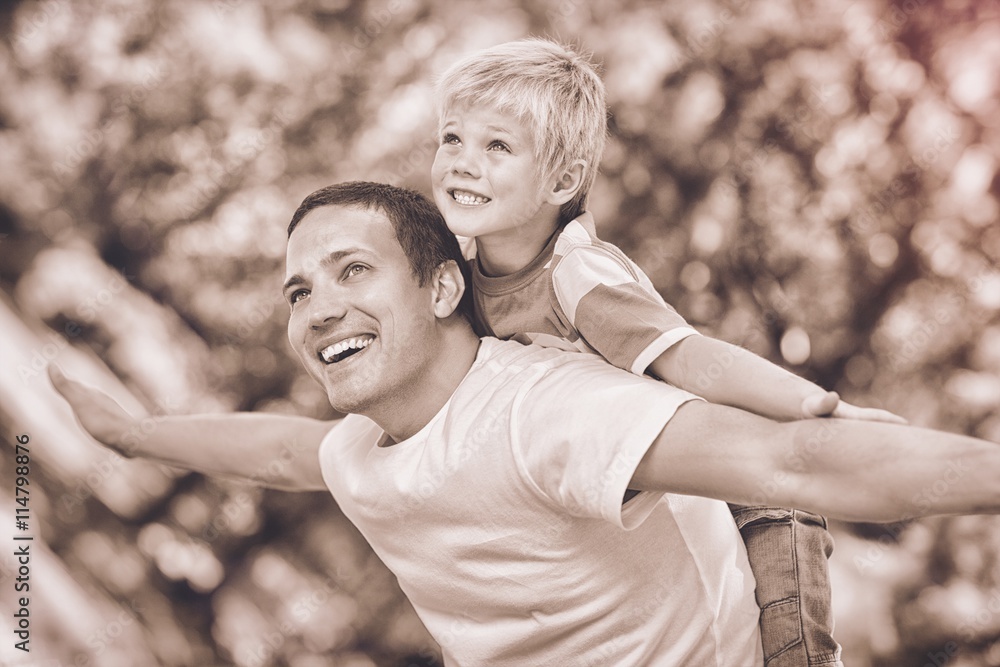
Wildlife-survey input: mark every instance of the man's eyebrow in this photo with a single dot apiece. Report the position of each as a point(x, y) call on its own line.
point(333, 258)
point(292, 282)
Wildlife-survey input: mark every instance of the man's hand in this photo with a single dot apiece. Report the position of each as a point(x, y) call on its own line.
point(829, 404)
point(99, 414)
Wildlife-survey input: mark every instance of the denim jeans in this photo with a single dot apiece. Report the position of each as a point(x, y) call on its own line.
point(788, 551)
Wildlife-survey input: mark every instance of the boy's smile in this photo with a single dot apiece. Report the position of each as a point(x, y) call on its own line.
point(487, 181)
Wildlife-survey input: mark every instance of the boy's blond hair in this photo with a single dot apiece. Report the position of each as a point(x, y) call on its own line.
point(555, 91)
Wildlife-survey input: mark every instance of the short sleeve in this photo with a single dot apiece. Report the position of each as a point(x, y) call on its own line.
point(615, 309)
point(582, 428)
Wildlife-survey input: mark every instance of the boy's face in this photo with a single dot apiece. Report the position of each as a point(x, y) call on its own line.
point(486, 177)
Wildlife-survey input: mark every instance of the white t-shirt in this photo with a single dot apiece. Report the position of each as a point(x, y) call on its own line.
point(503, 521)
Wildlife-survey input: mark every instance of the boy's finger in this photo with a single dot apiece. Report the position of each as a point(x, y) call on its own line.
point(820, 405)
point(886, 416)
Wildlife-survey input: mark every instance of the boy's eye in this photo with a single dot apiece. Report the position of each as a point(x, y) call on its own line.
point(498, 145)
point(450, 138)
point(297, 296)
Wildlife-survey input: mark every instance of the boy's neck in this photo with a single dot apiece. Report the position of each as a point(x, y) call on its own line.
point(508, 252)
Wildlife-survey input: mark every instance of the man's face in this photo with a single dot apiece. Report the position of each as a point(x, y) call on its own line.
point(359, 322)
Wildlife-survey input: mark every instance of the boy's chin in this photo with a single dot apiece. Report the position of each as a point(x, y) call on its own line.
point(461, 227)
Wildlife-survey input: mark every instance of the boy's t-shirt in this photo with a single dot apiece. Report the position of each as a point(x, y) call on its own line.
point(580, 294)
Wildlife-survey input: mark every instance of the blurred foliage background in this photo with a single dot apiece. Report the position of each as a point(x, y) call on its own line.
point(814, 181)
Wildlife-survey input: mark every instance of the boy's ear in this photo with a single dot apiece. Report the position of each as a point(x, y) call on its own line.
point(566, 183)
point(448, 288)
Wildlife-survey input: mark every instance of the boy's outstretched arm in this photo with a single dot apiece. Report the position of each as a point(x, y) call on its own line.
point(729, 375)
point(848, 469)
point(273, 450)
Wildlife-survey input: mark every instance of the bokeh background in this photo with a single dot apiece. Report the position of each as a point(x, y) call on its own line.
point(815, 181)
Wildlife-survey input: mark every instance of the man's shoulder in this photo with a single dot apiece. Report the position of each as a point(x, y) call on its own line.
point(355, 429)
point(515, 358)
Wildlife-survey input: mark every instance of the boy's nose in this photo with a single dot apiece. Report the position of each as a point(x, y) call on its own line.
point(465, 164)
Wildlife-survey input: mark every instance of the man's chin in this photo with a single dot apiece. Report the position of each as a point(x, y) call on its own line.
point(346, 402)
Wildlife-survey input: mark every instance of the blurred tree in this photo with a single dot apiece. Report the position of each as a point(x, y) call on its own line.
point(814, 181)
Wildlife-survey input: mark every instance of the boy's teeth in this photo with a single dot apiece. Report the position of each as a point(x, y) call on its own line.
point(468, 198)
point(329, 353)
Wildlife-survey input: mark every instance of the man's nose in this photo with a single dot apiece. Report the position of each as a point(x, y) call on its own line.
point(325, 307)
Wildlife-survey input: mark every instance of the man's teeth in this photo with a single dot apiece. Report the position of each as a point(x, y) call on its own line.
point(468, 198)
point(330, 353)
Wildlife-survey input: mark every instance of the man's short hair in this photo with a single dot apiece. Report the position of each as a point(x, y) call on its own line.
point(418, 226)
point(555, 91)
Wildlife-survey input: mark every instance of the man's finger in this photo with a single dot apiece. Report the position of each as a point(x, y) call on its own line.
point(57, 376)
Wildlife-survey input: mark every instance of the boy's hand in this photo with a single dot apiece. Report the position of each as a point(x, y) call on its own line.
point(829, 405)
point(99, 414)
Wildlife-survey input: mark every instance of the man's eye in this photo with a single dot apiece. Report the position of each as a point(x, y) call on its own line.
point(297, 296)
point(499, 146)
point(354, 270)
point(451, 139)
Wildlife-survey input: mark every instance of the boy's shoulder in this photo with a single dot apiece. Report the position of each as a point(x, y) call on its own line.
point(579, 238)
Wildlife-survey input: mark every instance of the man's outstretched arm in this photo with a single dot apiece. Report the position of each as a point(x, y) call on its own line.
point(852, 470)
point(273, 450)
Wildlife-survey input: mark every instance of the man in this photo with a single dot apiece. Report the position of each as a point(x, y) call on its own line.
point(490, 476)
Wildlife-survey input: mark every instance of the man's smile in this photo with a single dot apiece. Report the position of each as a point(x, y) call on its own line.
point(347, 347)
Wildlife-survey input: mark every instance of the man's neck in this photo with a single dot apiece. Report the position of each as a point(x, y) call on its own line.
point(403, 415)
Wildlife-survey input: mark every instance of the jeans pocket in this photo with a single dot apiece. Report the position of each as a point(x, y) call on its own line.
point(746, 515)
point(781, 628)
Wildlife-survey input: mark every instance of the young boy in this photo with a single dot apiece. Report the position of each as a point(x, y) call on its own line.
point(522, 131)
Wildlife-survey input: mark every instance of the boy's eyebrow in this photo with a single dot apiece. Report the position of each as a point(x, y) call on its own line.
point(332, 258)
point(492, 128)
point(499, 129)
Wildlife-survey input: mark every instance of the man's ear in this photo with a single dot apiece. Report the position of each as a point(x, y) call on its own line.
point(566, 183)
point(449, 286)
